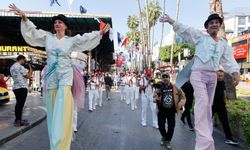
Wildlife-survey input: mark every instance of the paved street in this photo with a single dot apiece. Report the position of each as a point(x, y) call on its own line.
point(114, 127)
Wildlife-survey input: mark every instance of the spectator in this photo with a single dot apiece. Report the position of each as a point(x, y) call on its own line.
point(20, 88)
point(108, 84)
point(219, 107)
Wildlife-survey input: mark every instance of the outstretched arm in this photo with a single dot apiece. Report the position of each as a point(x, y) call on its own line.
point(88, 41)
point(189, 34)
point(18, 12)
point(31, 35)
point(166, 18)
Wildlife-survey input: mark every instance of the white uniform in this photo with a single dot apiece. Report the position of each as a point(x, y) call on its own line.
point(122, 84)
point(133, 90)
point(127, 89)
point(93, 94)
point(147, 97)
point(100, 89)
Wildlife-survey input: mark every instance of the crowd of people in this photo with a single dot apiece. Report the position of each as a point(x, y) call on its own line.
point(64, 84)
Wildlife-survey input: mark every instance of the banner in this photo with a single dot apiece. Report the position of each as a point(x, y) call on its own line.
point(240, 51)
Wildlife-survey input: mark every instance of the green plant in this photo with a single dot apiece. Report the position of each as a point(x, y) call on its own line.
point(239, 116)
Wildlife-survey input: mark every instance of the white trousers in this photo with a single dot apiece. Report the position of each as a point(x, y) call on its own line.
point(127, 90)
point(133, 91)
point(100, 92)
point(145, 100)
point(75, 117)
point(93, 96)
point(123, 92)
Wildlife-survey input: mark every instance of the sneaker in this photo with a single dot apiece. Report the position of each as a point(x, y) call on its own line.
point(231, 141)
point(90, 110)
point(191, 128)
point(183, 121)
point(162, 141)
point(156, 126)
point(167, 145)
point(144, 124)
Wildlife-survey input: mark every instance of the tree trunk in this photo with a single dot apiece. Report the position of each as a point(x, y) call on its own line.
point(172, 47)
point(162, 28)
point(142, 35)
point(148, 32)
point(216, 7)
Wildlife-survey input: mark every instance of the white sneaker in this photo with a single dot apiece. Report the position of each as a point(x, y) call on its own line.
point(156, 126)
point(231, 141)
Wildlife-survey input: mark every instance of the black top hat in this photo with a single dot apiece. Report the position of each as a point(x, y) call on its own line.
point(63, 18)
point(212, 17)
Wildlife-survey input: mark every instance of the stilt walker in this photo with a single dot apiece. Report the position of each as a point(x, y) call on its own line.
point(59, 75)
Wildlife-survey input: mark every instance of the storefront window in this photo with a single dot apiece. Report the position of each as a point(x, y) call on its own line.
point(241, 20)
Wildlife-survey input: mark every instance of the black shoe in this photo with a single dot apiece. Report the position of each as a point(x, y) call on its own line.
point(183, 121)
point(232, 141)
point(19, 123)
point(191, 128)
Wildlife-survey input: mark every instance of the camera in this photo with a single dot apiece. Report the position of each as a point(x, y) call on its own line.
point(29, 64)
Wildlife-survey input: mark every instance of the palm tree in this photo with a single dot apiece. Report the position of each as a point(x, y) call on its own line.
point(133, 22)
point(151, 14)
point(216, 7)
point(142, 35)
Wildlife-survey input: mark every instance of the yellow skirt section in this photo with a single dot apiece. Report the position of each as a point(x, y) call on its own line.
point(60, 107)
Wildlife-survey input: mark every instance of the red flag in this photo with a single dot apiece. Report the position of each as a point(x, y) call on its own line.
point(125, 41)
point(118, 63)
point(102, 25)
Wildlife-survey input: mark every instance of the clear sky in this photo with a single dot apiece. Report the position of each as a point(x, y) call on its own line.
point(192, 12)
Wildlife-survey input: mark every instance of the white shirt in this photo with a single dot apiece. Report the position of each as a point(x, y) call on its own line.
point(122, 81)
point(18, 72)
point(209, 54)
point(149, 89)
point(58, 51)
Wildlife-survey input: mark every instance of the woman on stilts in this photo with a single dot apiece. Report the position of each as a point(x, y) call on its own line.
point(60, 72)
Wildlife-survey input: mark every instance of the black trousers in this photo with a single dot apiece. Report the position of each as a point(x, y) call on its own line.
point(186, 113)
point(168, 114)
point(222, 114)
point(21, 95)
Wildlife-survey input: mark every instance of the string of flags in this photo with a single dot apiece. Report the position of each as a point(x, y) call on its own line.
point(84, 10)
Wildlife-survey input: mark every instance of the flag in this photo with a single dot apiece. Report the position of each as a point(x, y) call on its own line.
point(53, 2)
point(125, 41)
point(83, 10)
point(119, 39)
point(119, 63)
point(102, 25)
